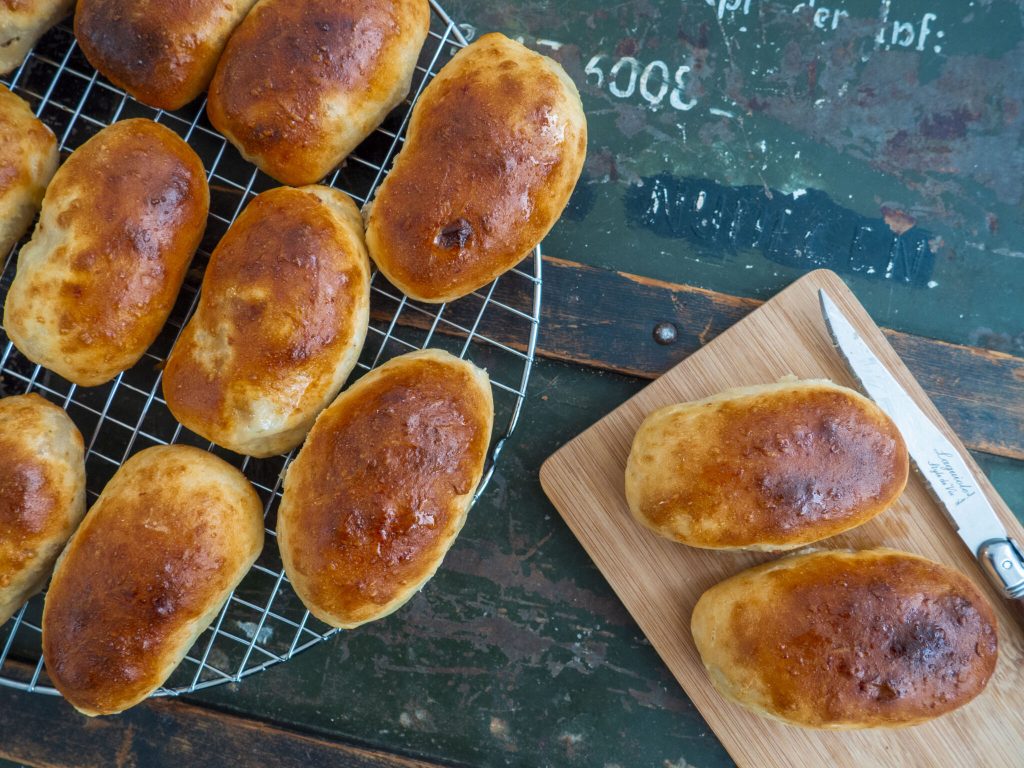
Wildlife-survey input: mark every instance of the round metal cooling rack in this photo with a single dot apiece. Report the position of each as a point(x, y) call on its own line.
point(263, 623)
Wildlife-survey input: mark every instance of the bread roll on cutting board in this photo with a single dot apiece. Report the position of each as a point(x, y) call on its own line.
point(163, 53)
point(22, 23)
point(42, 494)
point(173, 533)
point(119, 225)
point(303, 82)
point(495, 146)
point(382, 486)
point(281, 320)
point(28, 160)
point(847, 639)
point(768, 467)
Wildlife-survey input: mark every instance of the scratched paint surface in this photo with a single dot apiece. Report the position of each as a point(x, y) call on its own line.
point(736, 144)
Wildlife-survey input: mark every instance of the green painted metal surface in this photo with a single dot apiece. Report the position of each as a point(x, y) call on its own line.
point(881, 138)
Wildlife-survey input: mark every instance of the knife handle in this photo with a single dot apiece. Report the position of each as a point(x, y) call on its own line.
point(1004, 563)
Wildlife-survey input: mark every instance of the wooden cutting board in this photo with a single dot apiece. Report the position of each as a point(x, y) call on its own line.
point(659, 581)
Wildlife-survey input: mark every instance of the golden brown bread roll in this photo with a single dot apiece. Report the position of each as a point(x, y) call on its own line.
point(163, 53)
point(495, 146)
point(119, 225)
point(42, 494)
point(170, 537)
point(281, 320)
point(28, 160)
point(303, 82)
point(22, 23)
point(381, 488)
point(847, 639)
point(767, 468)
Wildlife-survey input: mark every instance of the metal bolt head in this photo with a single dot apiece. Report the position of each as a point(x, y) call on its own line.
point(666, 333)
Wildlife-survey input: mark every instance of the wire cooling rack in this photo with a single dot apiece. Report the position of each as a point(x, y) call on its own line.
point(263, 623)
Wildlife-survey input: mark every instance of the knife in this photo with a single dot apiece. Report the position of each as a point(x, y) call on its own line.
point(941, 465)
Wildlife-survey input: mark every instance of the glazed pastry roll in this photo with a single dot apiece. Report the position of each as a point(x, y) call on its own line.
point(495, 146)
point(281, 320)
point(22, 23)
point(163, 53)
point(847, 639)
point(382, 486)
point(173, 533)
point(42, 494)
point(119, 225)
point(768, 467)
point(303, 82)
point(28, 160)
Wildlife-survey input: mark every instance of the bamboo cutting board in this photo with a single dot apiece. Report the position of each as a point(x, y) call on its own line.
point(659, 581)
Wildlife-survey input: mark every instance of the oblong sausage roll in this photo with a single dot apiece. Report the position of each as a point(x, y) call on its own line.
point(164, 54)
point(42, 494)
point(118, 228)
point(381, 488)
point(281, 320)
point(767, 467)
point(22, 23)
point(173, 533)
point(495, 146)
point(844, 640)
point(303, 82)
point(28, 160)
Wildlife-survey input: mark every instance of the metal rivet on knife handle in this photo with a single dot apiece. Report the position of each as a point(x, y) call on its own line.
point(1004, 562)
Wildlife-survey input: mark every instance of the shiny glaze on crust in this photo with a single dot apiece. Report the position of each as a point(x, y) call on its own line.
point(376, 495)
point(495, 146)
point(784, 468)
point(159, 545)
point(42, 493)
point(32, 498)
point(163, 52)
point(19, 129)
point(120, 223)
point(870, 638)
point(276, 88)
point(28, 160)
point(285, 296)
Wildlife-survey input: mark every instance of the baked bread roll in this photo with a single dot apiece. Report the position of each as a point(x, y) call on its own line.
point(28, 160)
point(495, 146)
point(303, 82)
point(381, 488)
point(847, 639)
point(170, 537)
point(767, 468)
point(42, 494)
point(22, 23)
point(281, 320)
point(162, 53)
point(120, 222)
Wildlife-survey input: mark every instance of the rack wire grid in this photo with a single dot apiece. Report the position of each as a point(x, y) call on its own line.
point(263, 623)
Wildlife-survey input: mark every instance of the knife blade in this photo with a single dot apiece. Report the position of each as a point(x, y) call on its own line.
point(938, 461)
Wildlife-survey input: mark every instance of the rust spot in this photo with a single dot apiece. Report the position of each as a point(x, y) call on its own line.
point(947, 125)
point(627, 47)
point(898, 220)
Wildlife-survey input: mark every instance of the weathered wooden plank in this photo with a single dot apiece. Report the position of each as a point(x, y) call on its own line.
point(45, 731)
point(607, 320)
